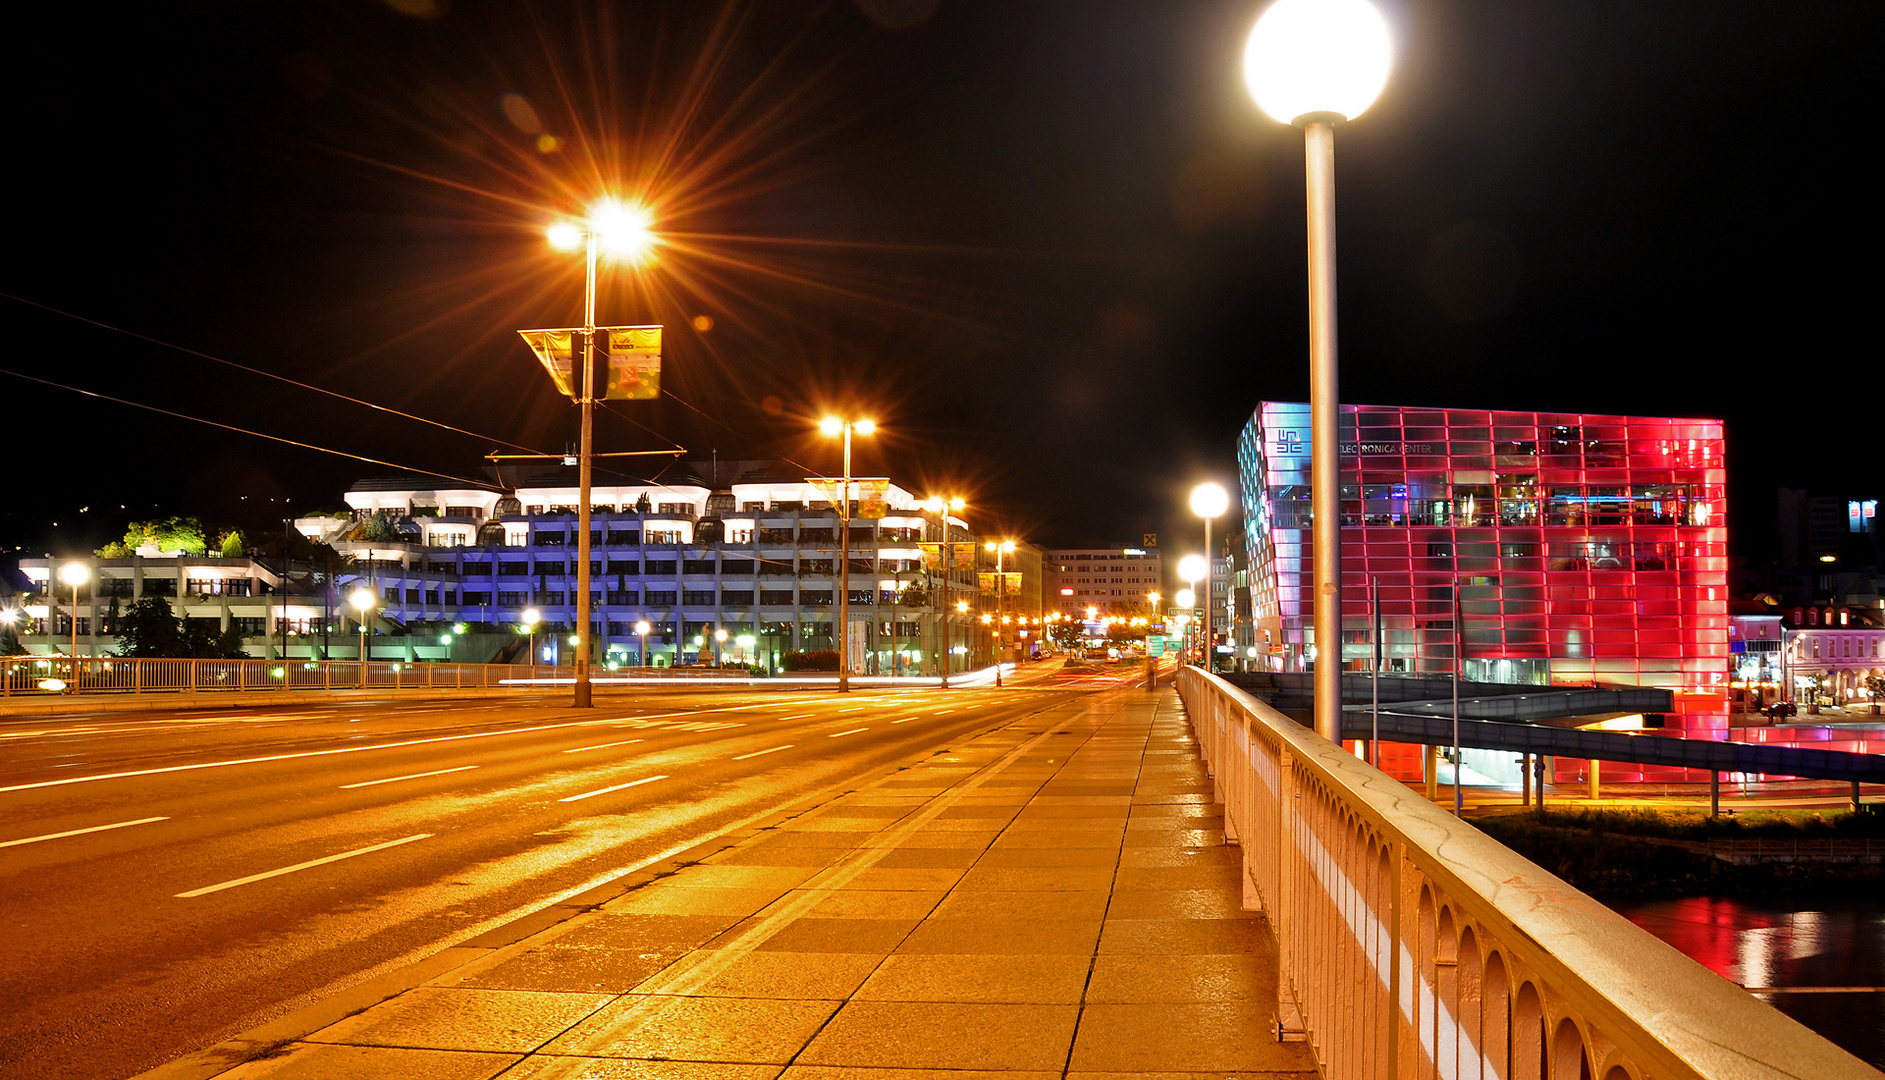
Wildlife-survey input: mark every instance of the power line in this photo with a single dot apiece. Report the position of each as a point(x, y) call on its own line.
point(258, 371)
point(244, 431)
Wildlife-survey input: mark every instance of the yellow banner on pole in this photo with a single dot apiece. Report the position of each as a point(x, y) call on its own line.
point(932, 556)
point(871, 495)
point(555, 350)
point(634, 363)
point(965, 556)
point(987, 579)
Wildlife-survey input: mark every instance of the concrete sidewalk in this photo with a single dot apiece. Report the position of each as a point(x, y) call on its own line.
point(1051, 899)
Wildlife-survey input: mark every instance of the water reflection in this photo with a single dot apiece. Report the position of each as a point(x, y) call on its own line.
point(1759, 944)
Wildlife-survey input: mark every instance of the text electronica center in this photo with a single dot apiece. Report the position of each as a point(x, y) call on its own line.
point(1585, 548)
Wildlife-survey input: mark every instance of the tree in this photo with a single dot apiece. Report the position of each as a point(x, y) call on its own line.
point(1067, 635)
point(184, 534)
point(150, 629)
point(233, 544)
point(1875, 684)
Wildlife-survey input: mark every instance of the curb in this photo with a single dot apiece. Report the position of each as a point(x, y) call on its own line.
point(262, 1041)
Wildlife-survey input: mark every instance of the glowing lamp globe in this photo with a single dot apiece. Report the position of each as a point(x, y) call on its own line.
point(75, 574)
point(1185, 599)
point(361, 599)
point(1308, 57)
point(1191, 567)
point(1209, 500)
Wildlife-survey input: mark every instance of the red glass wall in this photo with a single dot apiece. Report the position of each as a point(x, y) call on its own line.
point(1584, 548)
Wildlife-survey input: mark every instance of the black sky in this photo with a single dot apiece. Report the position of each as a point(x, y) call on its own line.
point(1051, 246)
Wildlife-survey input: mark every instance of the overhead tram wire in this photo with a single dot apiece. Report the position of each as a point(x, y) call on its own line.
point(265, 374)
point(710, 418)
point(245, 431)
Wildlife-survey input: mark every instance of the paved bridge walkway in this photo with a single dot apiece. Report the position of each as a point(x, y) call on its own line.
point(1052, 899)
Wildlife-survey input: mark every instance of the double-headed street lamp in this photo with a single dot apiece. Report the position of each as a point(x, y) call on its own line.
point(942, 508)
point(625, 230)
point(832, 427)
point(1000, 548)
point(1314, 64)
point(1208, 500)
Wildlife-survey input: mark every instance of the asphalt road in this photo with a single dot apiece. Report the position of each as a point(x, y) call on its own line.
point(170, 879)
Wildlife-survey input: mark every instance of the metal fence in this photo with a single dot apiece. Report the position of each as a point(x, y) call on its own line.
point(1413, 945)
point(48, 675)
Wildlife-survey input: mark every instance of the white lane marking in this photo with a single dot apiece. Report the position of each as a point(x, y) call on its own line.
point(313, 753)
point(801, 716)
point(905, 720)
point(603, 746)
point(408, 776)
point(842, 734)
point(859, 708)
point(79, 832)
point(265, 875)
point(618, 787)
point(942, 712)
point(758, 753)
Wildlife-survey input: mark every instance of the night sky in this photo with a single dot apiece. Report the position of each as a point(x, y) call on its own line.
point(1051, 246)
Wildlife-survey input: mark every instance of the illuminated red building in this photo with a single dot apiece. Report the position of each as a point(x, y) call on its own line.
point(1585, 549)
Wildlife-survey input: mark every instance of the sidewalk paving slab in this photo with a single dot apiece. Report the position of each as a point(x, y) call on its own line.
point(1053, 898)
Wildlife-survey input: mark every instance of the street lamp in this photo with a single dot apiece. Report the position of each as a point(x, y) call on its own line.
point(831, 427)
point(641, 631)
point(1208, 500)
point(362, 600)
point(942, 508)
point(75, 574)
point(624, 230)
point(1316, 63)
point(531, 618)
point(1000, 549)
point(720, 647)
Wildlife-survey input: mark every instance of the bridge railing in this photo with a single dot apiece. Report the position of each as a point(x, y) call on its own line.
point(1414, 946)
point(22, 676)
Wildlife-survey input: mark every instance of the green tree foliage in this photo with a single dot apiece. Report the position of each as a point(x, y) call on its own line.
point(233, 544)
point(377, 528)
point(811, 660)
point(184, 534)
point(1067, 635)
point(149, 628)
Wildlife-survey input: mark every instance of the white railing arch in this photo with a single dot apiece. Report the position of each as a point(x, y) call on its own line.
point(1414, 946)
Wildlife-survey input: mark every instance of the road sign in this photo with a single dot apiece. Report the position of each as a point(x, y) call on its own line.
point(1155, 646)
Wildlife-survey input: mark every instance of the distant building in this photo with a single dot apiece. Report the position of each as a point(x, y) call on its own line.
point(1116, 581)
point(752, 551)
point(1583, 548)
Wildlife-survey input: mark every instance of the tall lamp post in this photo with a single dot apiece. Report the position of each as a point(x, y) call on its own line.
point(1314, 64)
point(1208, 500)
point(531, 618)
point(624, 230)
point(942, 508)
point(362, 600)
point(641, 631)
point(1000, 548)
point(1194, 568)
point(832, 427)
point(75, 574)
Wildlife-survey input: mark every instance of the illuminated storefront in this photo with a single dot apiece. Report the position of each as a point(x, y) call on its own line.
point(1585, 549)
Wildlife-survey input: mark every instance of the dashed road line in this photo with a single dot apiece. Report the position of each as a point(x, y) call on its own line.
point(842, 734)
point(80, 832)
point(618, 787)
point(408, 776)
point(761, 753)
point(602, 746)
point(265, 875)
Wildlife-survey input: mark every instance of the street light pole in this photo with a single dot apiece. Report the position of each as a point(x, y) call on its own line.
point(1316, 63)
point(1000, 549)
point(583, 478)
point(1208, 500)
point(844, 570)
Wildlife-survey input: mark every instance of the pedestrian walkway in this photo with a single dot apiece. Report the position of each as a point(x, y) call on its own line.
point(1051, 899)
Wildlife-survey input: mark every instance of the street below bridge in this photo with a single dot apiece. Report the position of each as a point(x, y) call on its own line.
point(169, 879)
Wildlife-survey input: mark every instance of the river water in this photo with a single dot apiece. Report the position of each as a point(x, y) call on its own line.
point(1828, 944)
